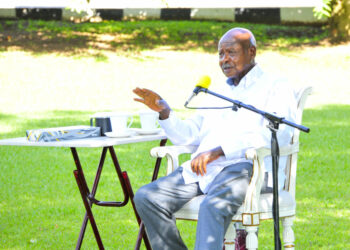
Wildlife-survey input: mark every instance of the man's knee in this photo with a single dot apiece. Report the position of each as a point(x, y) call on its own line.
point(142, 197)
point(222, 205)
point(212, 205)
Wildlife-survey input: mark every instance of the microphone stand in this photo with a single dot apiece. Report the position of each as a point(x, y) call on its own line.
point(274, 122)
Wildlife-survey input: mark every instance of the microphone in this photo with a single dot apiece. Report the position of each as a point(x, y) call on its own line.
point(203, 83)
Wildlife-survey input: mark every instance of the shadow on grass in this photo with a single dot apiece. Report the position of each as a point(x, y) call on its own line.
point(91, 39)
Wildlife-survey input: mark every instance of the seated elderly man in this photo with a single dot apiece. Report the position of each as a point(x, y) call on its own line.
point(218, 168)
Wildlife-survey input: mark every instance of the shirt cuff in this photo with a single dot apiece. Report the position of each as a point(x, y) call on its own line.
point(169, 121)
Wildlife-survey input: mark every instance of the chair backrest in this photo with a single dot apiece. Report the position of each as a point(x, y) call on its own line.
point(291, 167)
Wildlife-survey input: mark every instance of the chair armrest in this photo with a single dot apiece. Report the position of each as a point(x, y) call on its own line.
point(257, 155)
point(261, 153)
point(171, 153)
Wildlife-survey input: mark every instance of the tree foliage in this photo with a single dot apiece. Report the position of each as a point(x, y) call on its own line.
point(324, 9)
point(338, 14)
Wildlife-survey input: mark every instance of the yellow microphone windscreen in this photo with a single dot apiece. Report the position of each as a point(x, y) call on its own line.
point(204, 82)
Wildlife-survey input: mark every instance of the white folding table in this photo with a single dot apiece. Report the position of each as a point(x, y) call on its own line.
point(88, 197)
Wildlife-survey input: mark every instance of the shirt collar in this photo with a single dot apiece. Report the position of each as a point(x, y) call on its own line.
point(231, 81)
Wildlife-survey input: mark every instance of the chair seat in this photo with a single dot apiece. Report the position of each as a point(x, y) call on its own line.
point(286, 207)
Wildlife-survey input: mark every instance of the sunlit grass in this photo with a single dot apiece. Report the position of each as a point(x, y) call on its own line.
point(40, 202)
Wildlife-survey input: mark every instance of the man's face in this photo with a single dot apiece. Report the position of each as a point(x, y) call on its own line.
point(232, 57)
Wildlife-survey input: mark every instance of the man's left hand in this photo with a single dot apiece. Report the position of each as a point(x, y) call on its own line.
point(199, 163)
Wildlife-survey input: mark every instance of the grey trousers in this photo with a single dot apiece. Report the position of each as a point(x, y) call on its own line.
point(157, 202)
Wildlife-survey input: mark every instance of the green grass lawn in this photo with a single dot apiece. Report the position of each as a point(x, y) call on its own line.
point(58, 74)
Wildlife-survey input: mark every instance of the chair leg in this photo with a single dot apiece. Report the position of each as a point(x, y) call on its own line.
point(230, 237)
point(252, 238)
point(288, 234)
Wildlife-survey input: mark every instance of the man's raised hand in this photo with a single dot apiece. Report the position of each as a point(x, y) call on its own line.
point(149, 98)
point(153, 101)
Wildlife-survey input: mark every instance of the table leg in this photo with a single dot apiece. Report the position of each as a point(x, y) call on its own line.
point(131, 194)
point(89, 198)
point(128, 189)
point(84, 191)
point(120, 175)
point(87, 205)
point(142, 233)
point(158, 161)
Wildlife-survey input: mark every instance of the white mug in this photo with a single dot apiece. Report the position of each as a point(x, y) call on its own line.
point(149, 120)
point(119, 121)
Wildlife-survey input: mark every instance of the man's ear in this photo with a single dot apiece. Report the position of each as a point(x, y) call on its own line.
point(252, 51)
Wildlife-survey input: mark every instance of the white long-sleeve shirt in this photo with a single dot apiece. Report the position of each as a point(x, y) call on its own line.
point(235, 132)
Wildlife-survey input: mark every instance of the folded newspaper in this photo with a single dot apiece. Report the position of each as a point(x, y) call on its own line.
point(62, 133)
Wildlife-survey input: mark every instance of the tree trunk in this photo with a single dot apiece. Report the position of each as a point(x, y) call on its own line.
point(340, 20)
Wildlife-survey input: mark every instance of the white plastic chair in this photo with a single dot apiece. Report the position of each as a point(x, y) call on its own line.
point(256, 207)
